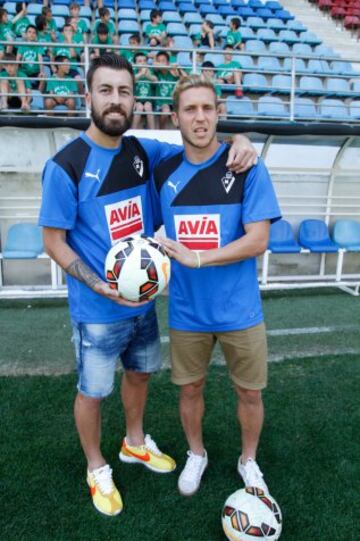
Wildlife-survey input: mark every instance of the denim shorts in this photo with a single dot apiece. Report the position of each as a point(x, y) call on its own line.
point(98, 346)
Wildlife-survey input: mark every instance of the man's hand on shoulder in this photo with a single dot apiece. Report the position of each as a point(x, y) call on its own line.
point(242, 155)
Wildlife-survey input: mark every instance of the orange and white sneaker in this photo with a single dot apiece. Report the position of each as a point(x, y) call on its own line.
point(147, 454)
point(104, 493)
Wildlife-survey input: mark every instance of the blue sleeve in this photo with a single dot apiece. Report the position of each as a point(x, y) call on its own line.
point(158, 151)
point(155, 204)
point(59, 198)
point(260, 202)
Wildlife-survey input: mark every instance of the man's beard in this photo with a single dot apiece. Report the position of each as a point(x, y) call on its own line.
point(112, 126)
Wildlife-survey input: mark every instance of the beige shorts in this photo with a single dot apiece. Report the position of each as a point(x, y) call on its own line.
point(245, 353)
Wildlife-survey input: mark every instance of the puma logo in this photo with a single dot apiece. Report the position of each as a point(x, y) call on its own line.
point(173, 186)
point(93, 175)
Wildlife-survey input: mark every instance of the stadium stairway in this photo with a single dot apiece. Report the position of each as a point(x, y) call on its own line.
point(324, 27)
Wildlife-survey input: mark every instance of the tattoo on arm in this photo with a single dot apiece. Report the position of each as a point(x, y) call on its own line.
point(82, 272)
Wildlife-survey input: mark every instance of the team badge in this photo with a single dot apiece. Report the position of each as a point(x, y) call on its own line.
point(228, 181)
point(138, 166)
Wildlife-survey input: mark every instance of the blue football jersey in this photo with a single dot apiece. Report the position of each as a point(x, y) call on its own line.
point(100, 196)
point(206, 206)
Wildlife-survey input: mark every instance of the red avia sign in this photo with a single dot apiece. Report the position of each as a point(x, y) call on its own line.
point(125, 218)
point(198, 231)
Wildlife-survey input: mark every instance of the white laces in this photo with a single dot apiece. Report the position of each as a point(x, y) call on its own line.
point(103, 479)
point(151, 445)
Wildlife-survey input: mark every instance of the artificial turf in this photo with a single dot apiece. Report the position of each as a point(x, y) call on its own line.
point(309, 451)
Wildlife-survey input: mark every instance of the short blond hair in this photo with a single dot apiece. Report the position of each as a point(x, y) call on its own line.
point(191, 81)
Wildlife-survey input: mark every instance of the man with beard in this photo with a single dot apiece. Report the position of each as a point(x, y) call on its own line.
point(93, 189)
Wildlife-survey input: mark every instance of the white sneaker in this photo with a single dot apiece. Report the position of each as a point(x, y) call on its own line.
point(252, 475)
point(190, 477)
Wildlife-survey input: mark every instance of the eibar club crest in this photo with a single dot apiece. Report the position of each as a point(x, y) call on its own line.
point(228, 181)
point(138, 166)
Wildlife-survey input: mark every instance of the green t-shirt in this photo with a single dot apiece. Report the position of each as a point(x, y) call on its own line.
point(233, 38)
point(225, 69)
point(65, 51)
point(144, 88)
point(109, 24)
point(82, 26)
point(165, 87)
point(129, 54)
point(51, 25)
point(21, 25)
point(60, 87)
point(217, 90)
point(45, 37)
point(96, 40)
point(154, 29)
point(12, 82)
point(29, 55)
point(6, 32)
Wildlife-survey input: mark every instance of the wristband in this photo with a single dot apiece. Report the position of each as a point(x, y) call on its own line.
point(198, 260)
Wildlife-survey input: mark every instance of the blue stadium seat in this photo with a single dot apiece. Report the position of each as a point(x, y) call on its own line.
point(267, 35)
point(256, 22)
point(127, 4)
point(281, 239)
point(300, 66)
point(127, 14)
point(238, 3)
point(269, 63)
point(124, 39)
point(216, 59)
point(227, 10)
point(276, 24)
point(184, 59)
point(246, 12)
point(131, 27)
point(318, 66)
point(281, 84)
point(296, 26)
point(334, 109)
point(145, 15)
point(10, 7)
point(339, 88)
point(146, 4)
point(192, 18)
point(37, 102)
point(246, 61)
point(305, 108)
point(85, 11)
point(265, 13)
point(355, 110)
point(60, 11)
point(346, 233)
point(112, 12)
point(215, 18)
point(202, 2)
point(323, 50)
point(302, 49)
point(218, 3)
point(23, 241)
point(273, 5)
point(340, 67)
point(34, 9)
point(255, 46)
point(184, 7)
point(311, 86)
point(255, 83)
point(310, 38)
point(284, 15)
point(255, 3)
point(288, 36)
point(314, 235)
point(207, 10)
point(247, 33)
point(240, 107)
point(171, 17)
point(194, 29)
point(183, 42)
point(279, 47)
point(59, 21)
point(272, 106)
point(167, 6)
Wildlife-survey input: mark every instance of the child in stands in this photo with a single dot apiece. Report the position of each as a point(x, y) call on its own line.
point(155, 31)
point(60, 87)
point(234, 37)
point(144, 92)
point(31, 57)
point(229, 72)
point(15, 93)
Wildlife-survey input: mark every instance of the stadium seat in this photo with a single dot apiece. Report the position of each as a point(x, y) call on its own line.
point(255, 46)
point(355, 110)
point(340, 67)
point(265, 13)
point(323, 50)
point(124, 39)
point(296, 26)
point(334, 109)
point(215, 58)
point(34, 9)
point(282, 240)
point(256, 22)
point(183, 42)
point(302, 49)
point(304, 108)
point(171, 17)
point(246, 12)
point(227, 10)
point(269, 64)
point(279, 47)
point(167, 6)
point(314, 235)
point(311, 86)
point(243, 107)
point(273, 5)
point(10, 7)
point(207, 9)
point(85, 11)
point(288, 36)
point(246, 61)
point(281, 84)
point(192, 18)
point(346, 233)
point(237, 3)
point(131, 27)
point(284, 15)
point(339, 88)
point(186, 8)
point(127, 4)
point(255, 83)
point(247, 33)
point(184, 60)
point(255, 3)
point(37, 101)
point(59, 11)
point(267, 35)
point(276, 24)
point(272, 106)
point(127, 14)
point(215, 18)
point(194, 29)
point(310, 38)
point(23, 241)
point(318, 66)
point(300, 66)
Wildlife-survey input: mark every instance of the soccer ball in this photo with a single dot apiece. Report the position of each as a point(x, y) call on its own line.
point(138, 268)
point(251, 515)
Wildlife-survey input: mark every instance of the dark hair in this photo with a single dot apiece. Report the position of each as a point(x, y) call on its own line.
point(163, 53)
point(31, 26)
point(74, 5)
point(236, 22)
point(59, 59)
point(207, 64)
point(40, 22)
point(9, 57)
point(45, 10)
point(228, 46)
point(2, 12)
point(102, 28)
point(108, 60)
point(136, 36)
point(66, 25)
point(209, 23)
point(140, 54)
point(18, 7)
point(103, 11)
point(155, 13)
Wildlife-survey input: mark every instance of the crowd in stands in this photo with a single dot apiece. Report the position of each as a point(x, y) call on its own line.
point(43, 57)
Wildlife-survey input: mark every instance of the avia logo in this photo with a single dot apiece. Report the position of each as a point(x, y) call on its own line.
point(138, 166)
point(124, 218)
point(228, 181)
point(198, 231)
point(93, 175)
point(173, 186)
